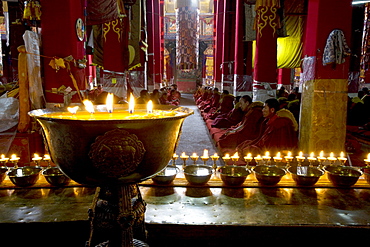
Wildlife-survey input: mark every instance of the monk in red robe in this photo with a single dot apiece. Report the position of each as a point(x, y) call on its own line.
point(278, 132)
point(226, 105)
point(247, 129)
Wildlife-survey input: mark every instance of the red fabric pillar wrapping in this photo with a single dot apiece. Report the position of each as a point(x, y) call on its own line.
point(218, 41)
point(59, 39)
point(265, 61)
point(320, 22)
point(239, 48)
point(228, 45)
point(150, 30)
point(156, 42)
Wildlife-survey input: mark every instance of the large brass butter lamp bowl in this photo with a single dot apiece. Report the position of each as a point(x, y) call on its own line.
point(113, 151)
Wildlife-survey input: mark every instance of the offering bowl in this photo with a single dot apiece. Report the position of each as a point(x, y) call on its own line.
point(268, 175)
point(344, 176)
point(24, 176)
point(166, 176)
point(305, 175)
point(198, 174)
point(233, 175)
point(54, 176)
point(3, 171)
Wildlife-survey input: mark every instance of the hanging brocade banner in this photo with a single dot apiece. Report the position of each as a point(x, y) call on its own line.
point(365, 48)
point(187, 36)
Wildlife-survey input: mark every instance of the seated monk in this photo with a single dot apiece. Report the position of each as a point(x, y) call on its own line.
point(234, 117)
point(214, 101)
point(278, 132)
point(247, 129)
point(226, 105)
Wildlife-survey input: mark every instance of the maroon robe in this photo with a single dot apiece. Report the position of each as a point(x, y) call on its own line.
point(248, 129)
point(277, 134)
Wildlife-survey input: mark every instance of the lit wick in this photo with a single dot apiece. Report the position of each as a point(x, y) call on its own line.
point(131, 104)
point(149, 107)
point(109, 102)
point(89, 106)
point(73, 109)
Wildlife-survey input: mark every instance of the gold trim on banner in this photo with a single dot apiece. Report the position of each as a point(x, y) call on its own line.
point(263, 19)
point(115, 28)
point(106, 28)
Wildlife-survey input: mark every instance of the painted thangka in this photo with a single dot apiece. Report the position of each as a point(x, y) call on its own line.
point(187, 48)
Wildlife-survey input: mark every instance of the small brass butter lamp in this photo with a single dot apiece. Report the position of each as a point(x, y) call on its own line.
point(321, 158)
point(367, 161)
point(300, 158)
point(47, 159)
point(174, 158)
point(214, 158)
point(331, 158)
point(342, 159)
point(226, 158)
point(4, 161)
point(194, 157)
point(277, 158)
point(184, 158)
point(266, 158)
point(311, 158)
point(205, 156)
point(36, 159)
point(288, 158)
point(258, 159)
point(14, 159)
point(235, 158)
point(248, 159)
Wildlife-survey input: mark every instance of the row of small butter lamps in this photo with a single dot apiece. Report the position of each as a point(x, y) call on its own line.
point(14, 159)
point(267, 158)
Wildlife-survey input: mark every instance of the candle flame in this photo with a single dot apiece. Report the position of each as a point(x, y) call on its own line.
point(289, 154)
point(216, 155)
point(342, 154)
point(236, 156)
point(278, 155)
point(88, 106)
point(73, 109)
point(331, 155)
point(14, 157)
point(46, 157)
point(267, 154)
point(131, 104)
point(109, 102)
point(322, 154)
point(312, 154)
point(3, 156)
point(175, 155)
point(149, 107)
point(300, 153)
point(205, 153)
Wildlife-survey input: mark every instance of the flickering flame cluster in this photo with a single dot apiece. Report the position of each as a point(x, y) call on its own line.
point(267, 157)
point(14, 158)
point(89, 106)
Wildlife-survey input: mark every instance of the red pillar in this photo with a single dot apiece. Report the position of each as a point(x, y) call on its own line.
point(150, 33)
point(157, 34)
point(218, 41)
point(59, 40)
point(239, 55)
point(284, 77)
point(228, 46)
point(265, 59)
point(324, 96)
